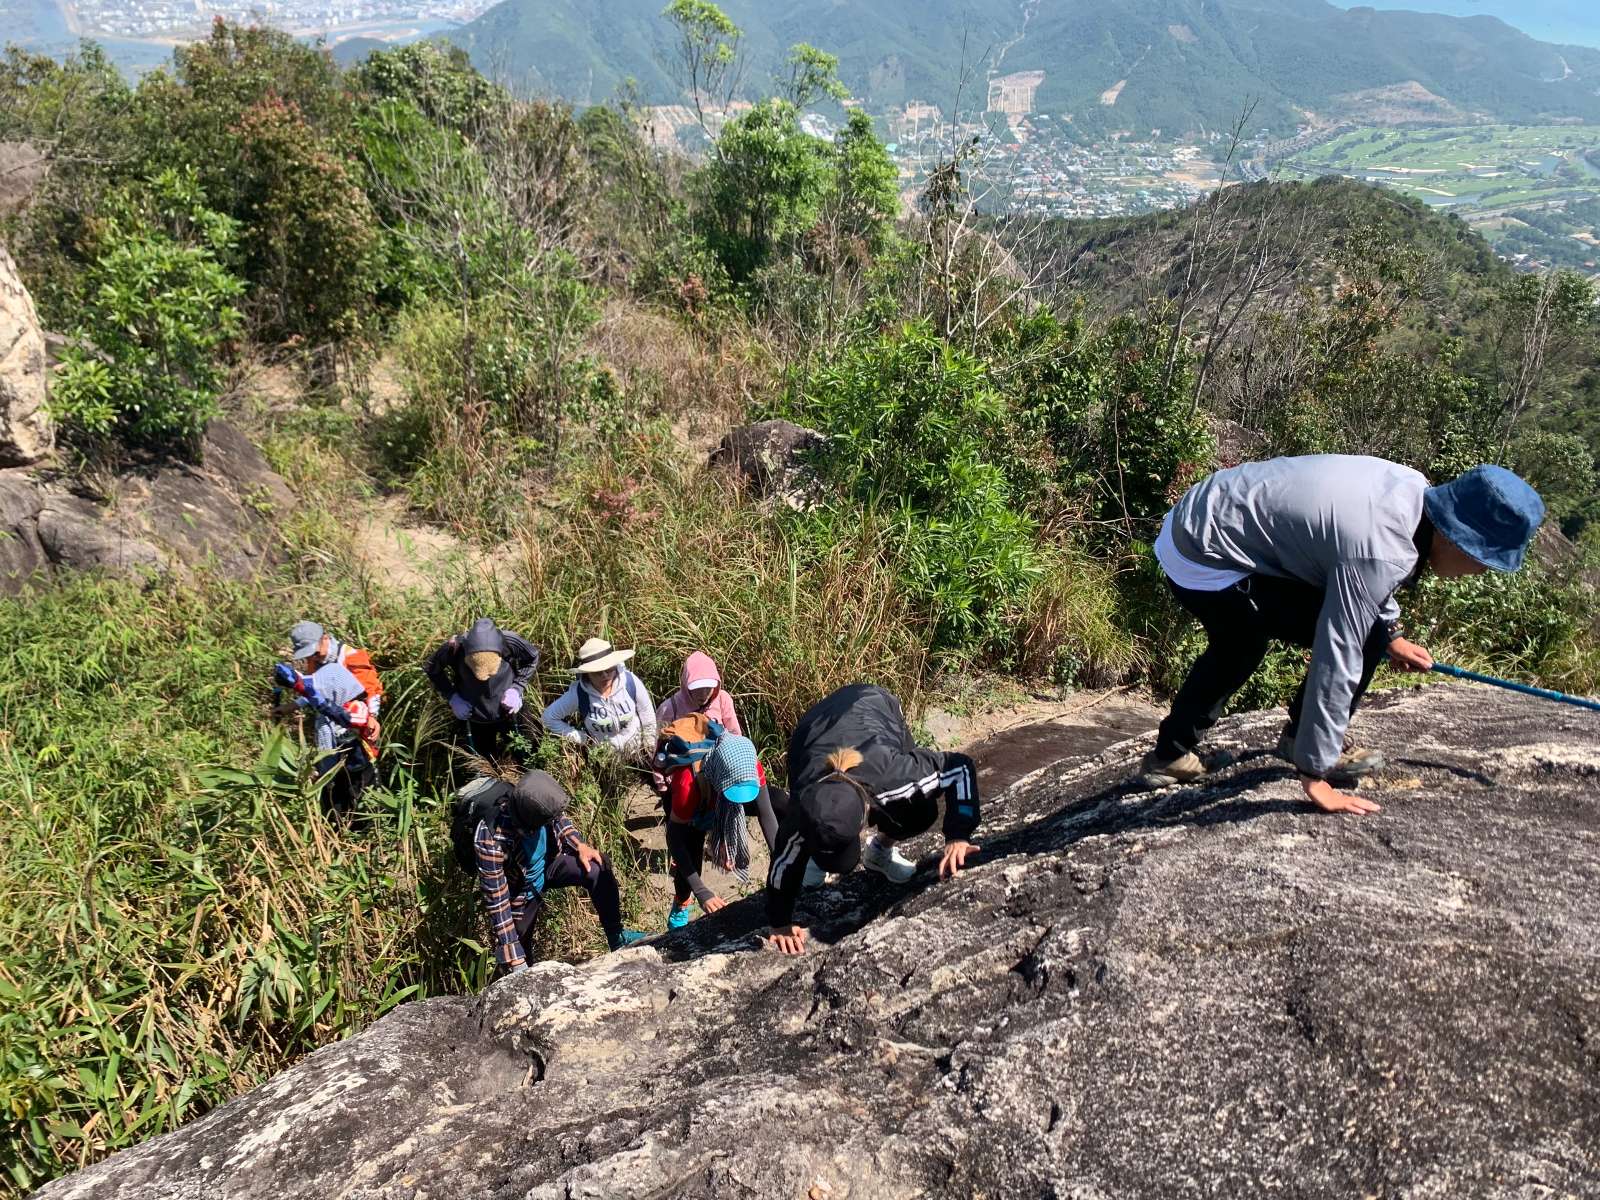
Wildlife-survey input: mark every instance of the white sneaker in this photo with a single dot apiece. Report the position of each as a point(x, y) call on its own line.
point(815, 876)
point(887, 861)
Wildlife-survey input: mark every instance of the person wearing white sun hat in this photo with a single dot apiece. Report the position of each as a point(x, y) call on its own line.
point(606, 705)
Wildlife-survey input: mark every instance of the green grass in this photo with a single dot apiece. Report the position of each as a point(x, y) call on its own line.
point(183, 922)
point(173, 933)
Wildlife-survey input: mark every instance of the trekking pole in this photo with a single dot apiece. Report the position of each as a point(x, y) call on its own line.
point(1525, 689)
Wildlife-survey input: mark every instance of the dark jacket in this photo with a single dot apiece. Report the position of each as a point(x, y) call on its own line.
point(894, 770)
point(447, 668)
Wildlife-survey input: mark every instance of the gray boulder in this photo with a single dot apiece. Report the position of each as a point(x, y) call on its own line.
point(1209, 991)
point(771, 458)
point(218, 516)
point(80, 535)
point(25, 431)
point(21, 552)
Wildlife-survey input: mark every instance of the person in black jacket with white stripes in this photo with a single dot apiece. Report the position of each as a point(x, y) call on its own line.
point(852, 762)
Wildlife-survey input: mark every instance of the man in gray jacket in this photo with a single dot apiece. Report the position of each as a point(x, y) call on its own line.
point(1311, 551)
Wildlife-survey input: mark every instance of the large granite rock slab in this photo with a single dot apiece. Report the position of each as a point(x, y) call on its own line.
point(1209, 991)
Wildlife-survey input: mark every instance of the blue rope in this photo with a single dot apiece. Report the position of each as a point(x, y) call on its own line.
point(1525, 689)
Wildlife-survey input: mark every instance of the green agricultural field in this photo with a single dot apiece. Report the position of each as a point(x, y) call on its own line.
point(1482, 172)
point(1476, 167)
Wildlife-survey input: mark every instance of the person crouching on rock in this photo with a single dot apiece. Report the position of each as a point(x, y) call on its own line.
point(1311, 551)
point(524, 845)
point(852, 762)
point(713, 805)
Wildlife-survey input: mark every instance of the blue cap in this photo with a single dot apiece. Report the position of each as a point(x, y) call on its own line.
point(731, 766)
point(1489, 512)
point(742, 793)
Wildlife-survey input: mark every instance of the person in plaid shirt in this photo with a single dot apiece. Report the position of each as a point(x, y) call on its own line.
point(529, 847)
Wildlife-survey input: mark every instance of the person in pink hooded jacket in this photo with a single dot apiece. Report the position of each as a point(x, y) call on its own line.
point(700, 691)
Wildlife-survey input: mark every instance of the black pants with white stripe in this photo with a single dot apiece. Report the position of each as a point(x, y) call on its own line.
point(898, 820)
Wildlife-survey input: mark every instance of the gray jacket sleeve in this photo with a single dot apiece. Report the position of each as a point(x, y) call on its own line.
point(1389, 610)
point(1356, 594)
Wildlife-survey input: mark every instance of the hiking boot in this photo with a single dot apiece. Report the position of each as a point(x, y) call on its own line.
point(628, 937)
point(1157, 772)
point(678, 917)
point(887, 861)
point(1355, 763)
point(815, 876)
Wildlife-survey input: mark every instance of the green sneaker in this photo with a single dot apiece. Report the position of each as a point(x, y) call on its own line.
point(628, 937)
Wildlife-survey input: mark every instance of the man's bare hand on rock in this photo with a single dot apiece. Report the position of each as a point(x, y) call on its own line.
point(1330, 800)
point(954, 858)
point(789, 939)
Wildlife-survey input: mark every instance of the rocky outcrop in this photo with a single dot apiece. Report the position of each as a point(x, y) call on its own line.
point(1210, 991)
point(771, 458)
point(175, 516)
point(25, 431)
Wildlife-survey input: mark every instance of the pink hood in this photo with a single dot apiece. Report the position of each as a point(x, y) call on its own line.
point(699, 666)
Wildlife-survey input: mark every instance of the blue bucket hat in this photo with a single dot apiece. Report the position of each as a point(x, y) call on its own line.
point(730, 768)
point(1489, 512)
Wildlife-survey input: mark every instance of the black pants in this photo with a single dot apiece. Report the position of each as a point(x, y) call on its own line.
point(351, 772)
point(1240, 623)
point(564, 870)
point(686, 845)
point(489, 739)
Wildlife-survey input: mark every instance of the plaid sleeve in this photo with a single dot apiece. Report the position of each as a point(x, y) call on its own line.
point(567, 836)
point(497, 895)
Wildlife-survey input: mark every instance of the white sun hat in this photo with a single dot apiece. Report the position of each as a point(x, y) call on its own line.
point(597, 654)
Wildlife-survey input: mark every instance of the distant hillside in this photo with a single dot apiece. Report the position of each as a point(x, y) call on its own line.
point(584, 50)
point(1123, 262)
point(1175, 65)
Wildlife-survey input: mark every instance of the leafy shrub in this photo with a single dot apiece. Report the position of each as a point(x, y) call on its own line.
point(156, 309)
point(913, 423)
point(486, 405)
point(1561, 467)
point(762, 187)
point(1152, 443)
point(311, 240)
point(1534, 624)
point(438, 81)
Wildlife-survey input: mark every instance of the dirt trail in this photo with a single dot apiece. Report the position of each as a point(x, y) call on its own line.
point(395, 546)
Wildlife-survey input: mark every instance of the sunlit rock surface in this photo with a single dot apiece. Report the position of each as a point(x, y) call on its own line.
point(1209, 991)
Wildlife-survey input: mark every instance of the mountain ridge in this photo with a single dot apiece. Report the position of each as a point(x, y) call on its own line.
point(1183, 65)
